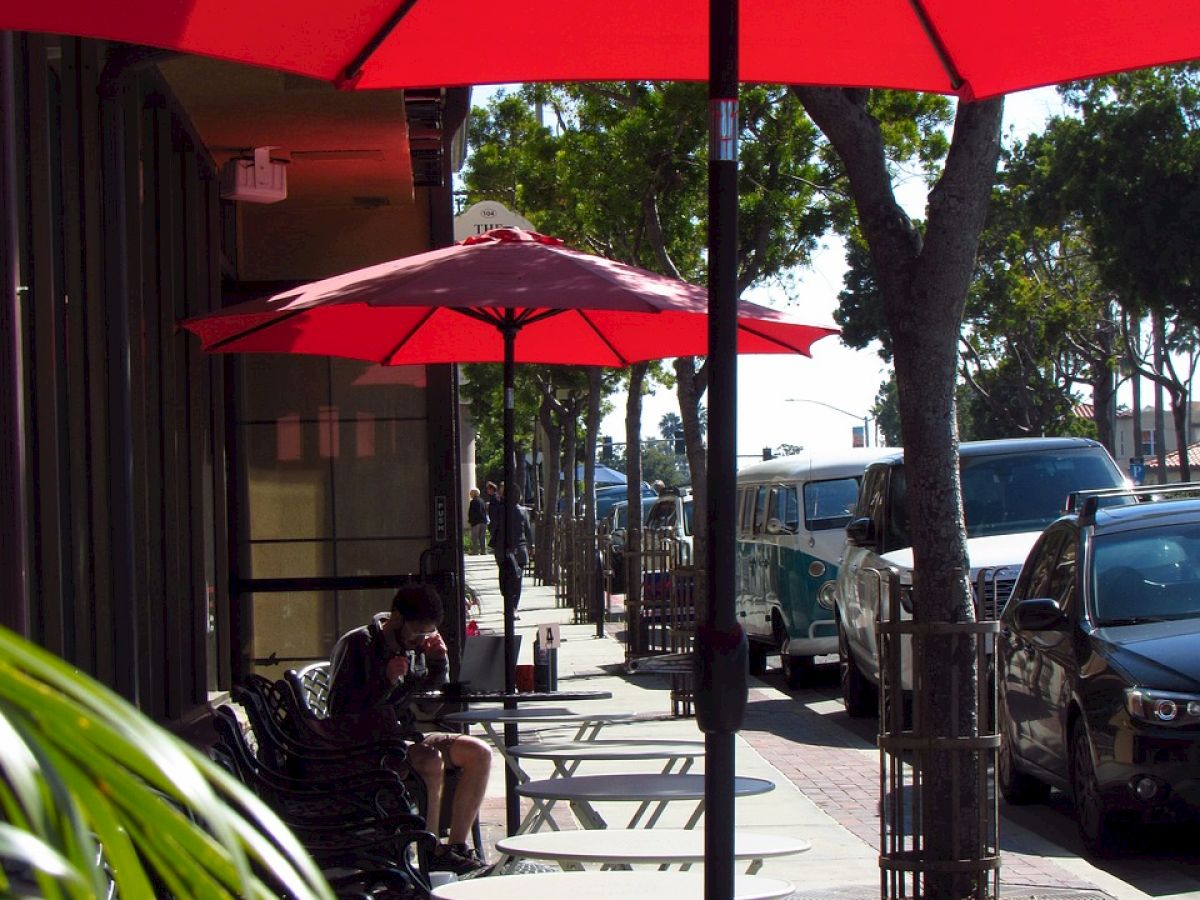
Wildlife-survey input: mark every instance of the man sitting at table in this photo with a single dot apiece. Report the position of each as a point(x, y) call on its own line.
point(374, 672)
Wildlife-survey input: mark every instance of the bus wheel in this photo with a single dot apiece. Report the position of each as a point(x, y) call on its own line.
point(758, 659)
point(797, 670)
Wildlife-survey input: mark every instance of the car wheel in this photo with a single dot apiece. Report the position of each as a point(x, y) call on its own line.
point(618, 575)
point(1100, 833)
point(858, 694)
point(758, 659)
point(1017, 787)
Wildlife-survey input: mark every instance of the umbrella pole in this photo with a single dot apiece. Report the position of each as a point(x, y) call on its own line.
point(509, 330)
point(721, 659)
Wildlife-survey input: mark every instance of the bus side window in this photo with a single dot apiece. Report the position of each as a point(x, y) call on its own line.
point(760, 510)
point(789, 508)
point(782, 506)
point(745, 510)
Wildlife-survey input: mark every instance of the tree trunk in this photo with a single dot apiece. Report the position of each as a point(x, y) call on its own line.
point(568, 414)
point(552, 454)
point(633, 493)
point(1104, 388)
point(595, 586)
point(689, 388)
point(924, 287)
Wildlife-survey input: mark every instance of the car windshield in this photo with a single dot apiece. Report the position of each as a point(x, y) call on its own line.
point(1148, 575)
point(1013, 492)
point(828, 504)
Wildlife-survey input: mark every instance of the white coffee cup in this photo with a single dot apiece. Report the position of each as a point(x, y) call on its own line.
point(437, 879)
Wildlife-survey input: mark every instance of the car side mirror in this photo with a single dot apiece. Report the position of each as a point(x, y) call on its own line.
point(1038, 614)
point(774, 526)
point(861, 532)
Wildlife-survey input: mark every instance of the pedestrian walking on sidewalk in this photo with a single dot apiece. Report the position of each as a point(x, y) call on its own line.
point(512, 567)
point(477, 518)
point(495, 511)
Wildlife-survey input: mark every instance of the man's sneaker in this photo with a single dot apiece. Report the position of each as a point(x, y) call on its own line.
point(457, 858)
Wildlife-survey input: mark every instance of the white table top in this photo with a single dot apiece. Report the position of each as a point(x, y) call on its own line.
point(606, 885)
point(551, 715)
point(636, 786)
point(593, 750)
point(636, 845)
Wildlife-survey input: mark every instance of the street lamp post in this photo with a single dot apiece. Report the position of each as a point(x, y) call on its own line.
point(863, 419)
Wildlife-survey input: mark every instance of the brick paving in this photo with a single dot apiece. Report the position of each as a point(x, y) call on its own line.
point(838, 771)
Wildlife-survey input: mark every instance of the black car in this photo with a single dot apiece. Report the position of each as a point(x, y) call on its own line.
point(1098, 664)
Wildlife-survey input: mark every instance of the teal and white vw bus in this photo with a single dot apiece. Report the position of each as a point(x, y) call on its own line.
point(792, 517)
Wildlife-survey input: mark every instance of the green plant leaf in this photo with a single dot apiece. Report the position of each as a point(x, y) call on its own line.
point(19, 846)
point(84, 760)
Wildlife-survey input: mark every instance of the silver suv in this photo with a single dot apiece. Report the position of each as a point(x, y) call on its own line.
point(1012, 489)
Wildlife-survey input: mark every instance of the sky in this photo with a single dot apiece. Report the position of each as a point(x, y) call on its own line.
point(776, 393)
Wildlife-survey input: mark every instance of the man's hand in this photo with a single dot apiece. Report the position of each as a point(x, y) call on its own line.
point(434, 647)
point(397, 668)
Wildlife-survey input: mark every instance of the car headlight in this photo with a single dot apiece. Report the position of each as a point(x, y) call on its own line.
point(827, 595)
point(1162, 707)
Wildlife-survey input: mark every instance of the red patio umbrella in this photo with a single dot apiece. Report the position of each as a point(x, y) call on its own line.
point(510, 296)
point(457, 304)
point(974, 49)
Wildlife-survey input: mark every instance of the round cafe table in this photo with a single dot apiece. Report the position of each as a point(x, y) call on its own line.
point(597, 885)
point(581, 791)
point(613, 847)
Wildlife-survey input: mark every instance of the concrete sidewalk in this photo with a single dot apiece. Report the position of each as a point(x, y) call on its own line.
point(827, 778)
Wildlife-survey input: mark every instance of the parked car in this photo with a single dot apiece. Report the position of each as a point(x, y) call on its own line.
point(1098, 665)
point(791, 529)
point(671, 514)
point(1012, 489)
point(615, 525)
point(669, 526)
point(614, 493)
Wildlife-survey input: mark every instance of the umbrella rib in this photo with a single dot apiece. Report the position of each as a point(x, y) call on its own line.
point(939, 46)
point(253, 329)
point(772, 339)
point(607, 343)
point(354, 68)
point(408, 336)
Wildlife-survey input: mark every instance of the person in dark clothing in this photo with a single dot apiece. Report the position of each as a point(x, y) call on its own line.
point(512, 568)
point(477, 518)
point(495, 511)
point(374, 672)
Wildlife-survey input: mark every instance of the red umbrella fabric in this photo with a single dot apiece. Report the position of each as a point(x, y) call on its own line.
point(507, 295)
point(974, 49)
point(448, 305)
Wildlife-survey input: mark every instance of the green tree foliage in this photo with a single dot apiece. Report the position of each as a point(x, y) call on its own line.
point(1127, 168)
point(621, 169)
point(1037, 323)
point(1129, 165)
point(483, 389)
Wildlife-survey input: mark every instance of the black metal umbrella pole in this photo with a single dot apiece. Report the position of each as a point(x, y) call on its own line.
point(721, 658)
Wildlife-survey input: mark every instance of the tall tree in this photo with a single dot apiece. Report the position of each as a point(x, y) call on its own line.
point(622, 171)
point(923, 280)
point(1127, 165)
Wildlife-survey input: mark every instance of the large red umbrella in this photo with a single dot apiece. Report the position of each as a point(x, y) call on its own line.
point(510, 296)
point(455, 305)
point(974, 48)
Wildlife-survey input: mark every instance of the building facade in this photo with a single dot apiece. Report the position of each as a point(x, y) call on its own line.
point(171, 520)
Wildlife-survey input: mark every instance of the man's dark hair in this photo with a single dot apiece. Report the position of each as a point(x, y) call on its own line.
point(418, 603)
